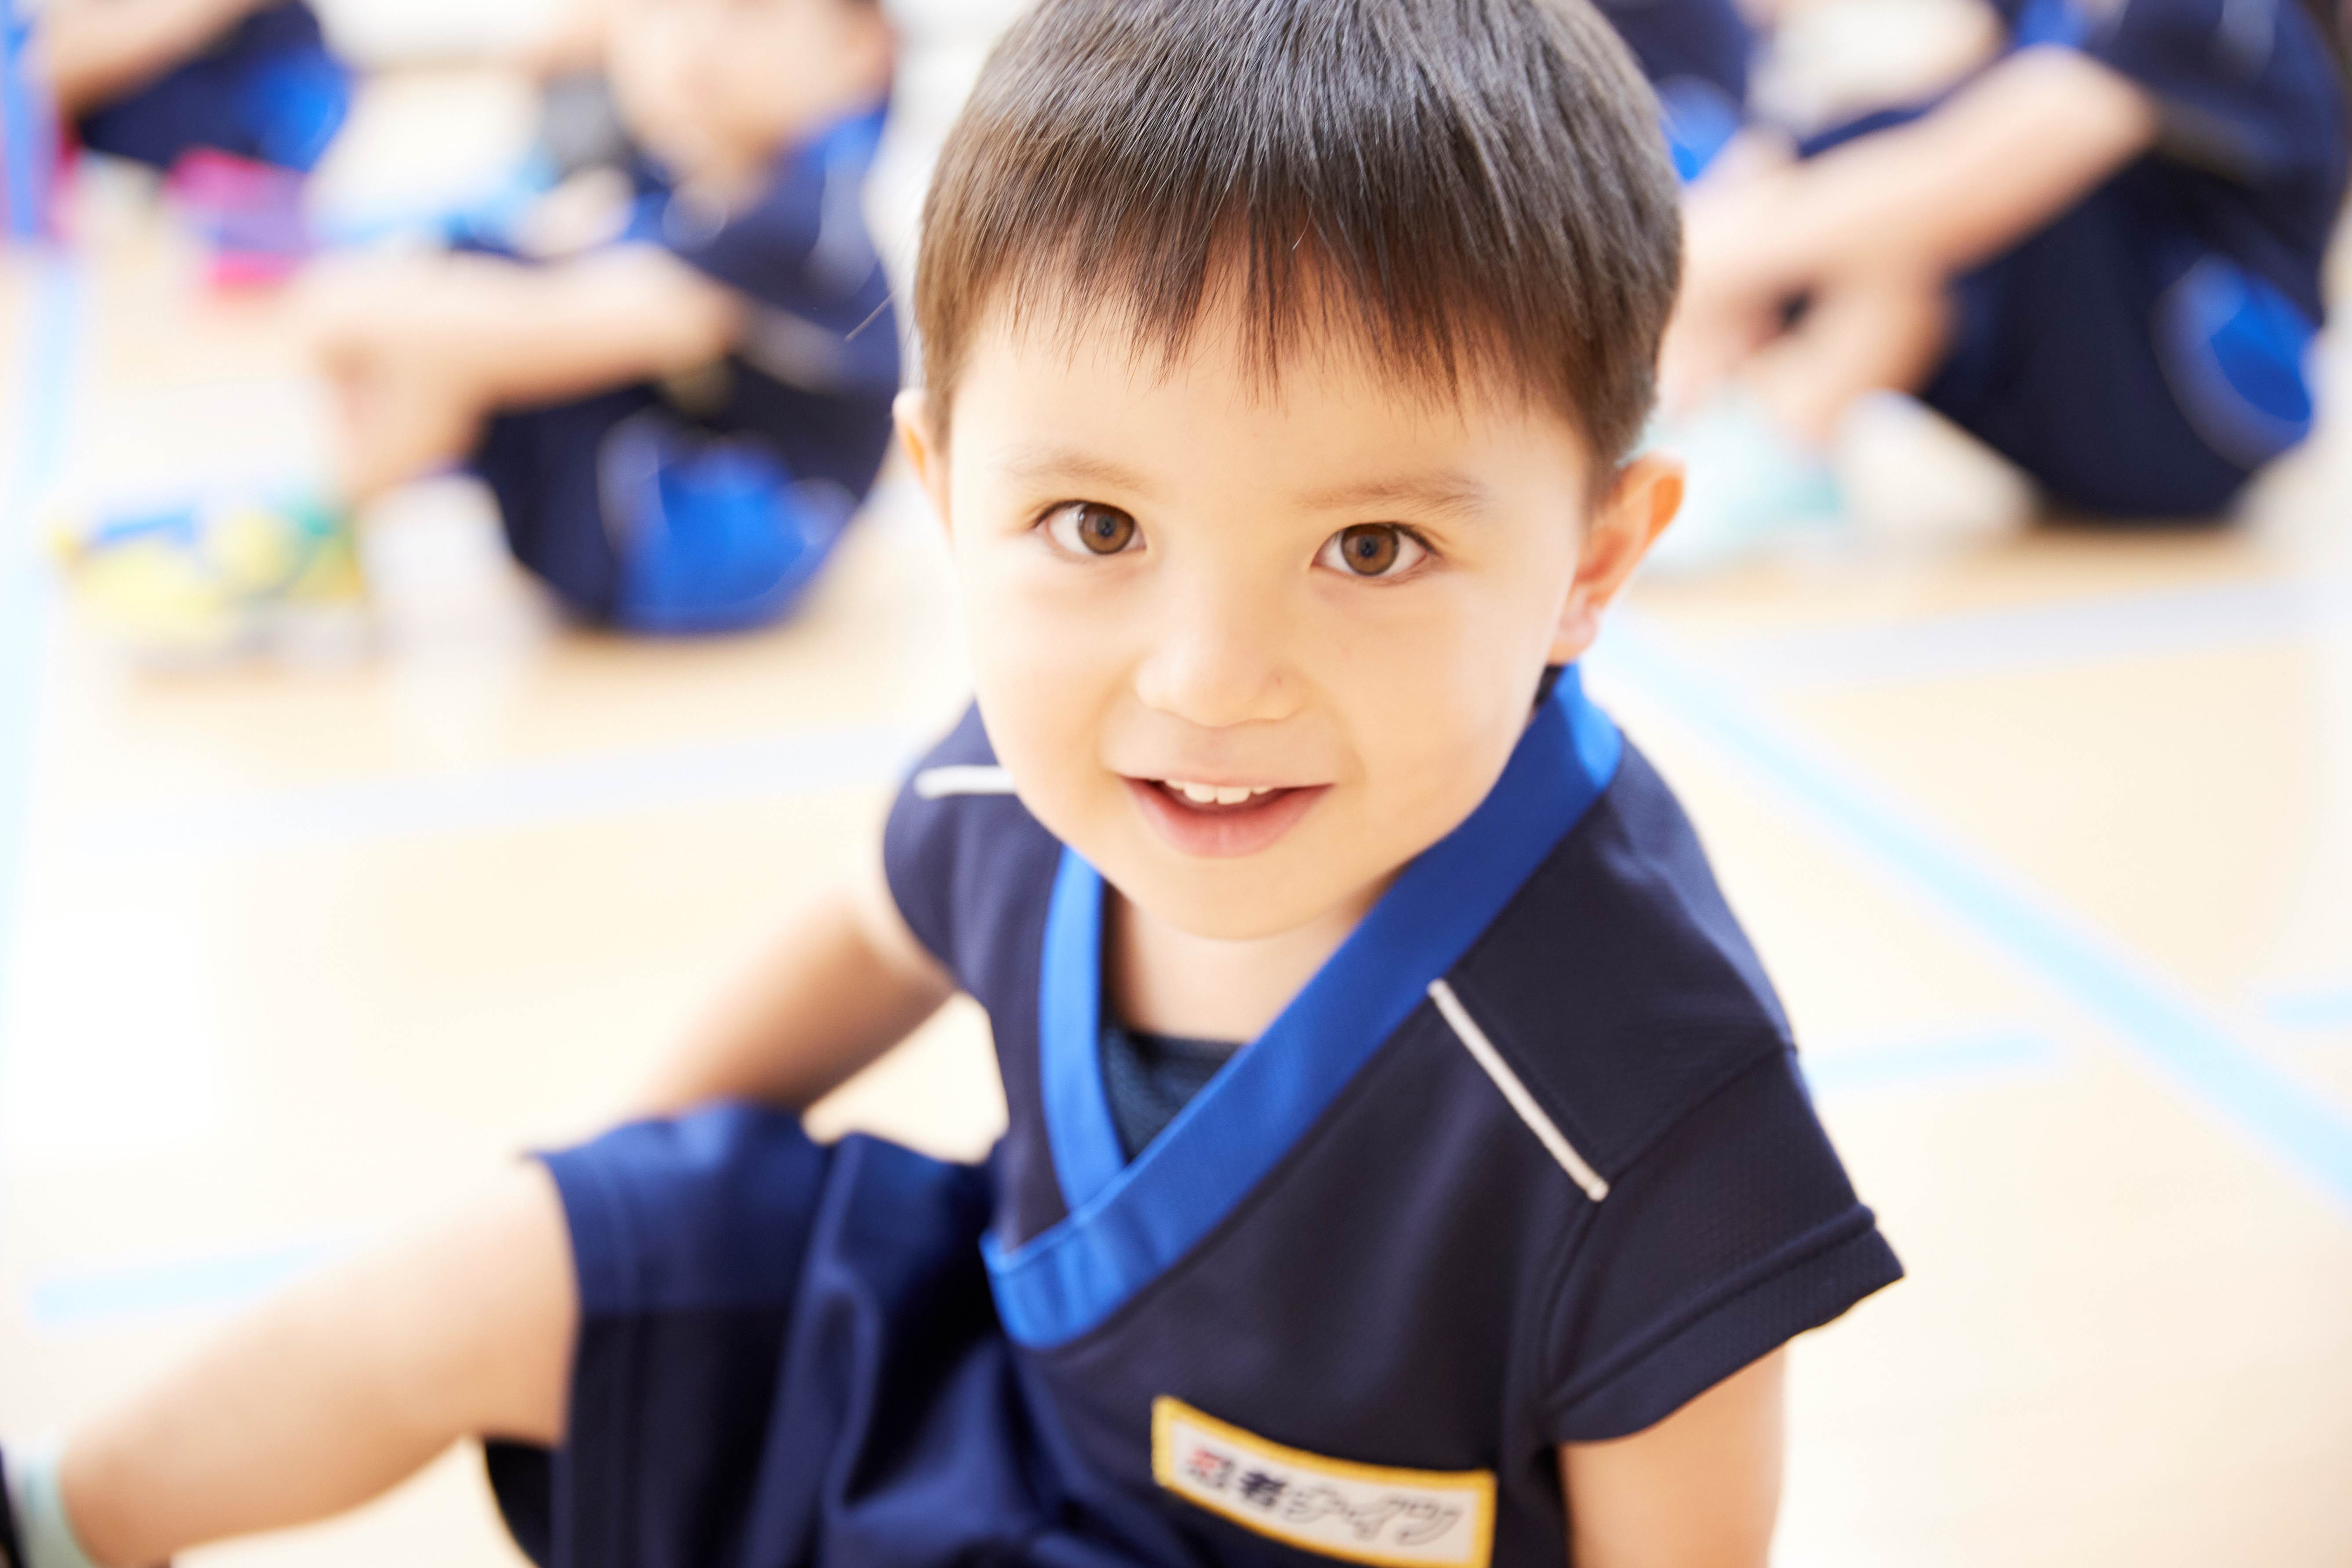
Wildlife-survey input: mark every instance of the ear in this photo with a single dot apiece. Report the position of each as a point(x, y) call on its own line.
point(1629, 518)
point(918, 435)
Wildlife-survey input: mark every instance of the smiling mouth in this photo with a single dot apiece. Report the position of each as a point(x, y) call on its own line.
point(1216, 797)
point(1222, 821)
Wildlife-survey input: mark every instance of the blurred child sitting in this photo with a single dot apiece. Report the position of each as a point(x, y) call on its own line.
point(2100, 255)
point(676, 421)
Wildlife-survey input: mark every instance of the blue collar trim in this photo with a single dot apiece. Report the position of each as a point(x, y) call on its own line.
point(1130, 1222)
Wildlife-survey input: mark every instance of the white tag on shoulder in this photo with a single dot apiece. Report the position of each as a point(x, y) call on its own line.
point(1362, 1513)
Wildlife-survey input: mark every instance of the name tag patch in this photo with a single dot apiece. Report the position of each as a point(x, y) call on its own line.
point(1362, 1513)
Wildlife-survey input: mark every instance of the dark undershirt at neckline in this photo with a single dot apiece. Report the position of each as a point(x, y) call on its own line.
point(1148, 1079)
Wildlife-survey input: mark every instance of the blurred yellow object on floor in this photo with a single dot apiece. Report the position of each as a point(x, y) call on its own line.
point(209, 582)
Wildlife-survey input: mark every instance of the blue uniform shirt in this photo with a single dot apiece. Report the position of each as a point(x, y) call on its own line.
point(1528, 1162)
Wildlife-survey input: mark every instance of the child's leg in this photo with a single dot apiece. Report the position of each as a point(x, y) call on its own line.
point(343, 1387)
point(1883, 332)
point(402, 410)
point(396, 424)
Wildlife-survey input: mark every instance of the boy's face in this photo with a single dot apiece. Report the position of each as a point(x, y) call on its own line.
point(725, 83)
point(1330, 605)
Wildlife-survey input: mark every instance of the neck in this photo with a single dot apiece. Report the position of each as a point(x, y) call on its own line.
point(1166, 981)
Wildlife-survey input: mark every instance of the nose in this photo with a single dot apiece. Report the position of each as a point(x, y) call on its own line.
point(1219, 658)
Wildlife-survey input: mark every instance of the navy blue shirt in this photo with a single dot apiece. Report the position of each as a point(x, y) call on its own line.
point(817, 364)
point(1528, 1162)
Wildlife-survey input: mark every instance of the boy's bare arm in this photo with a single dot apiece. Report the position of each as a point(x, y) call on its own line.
point(843, 981)
point(90, 51)
point(2001, 158)
point(1700, 1490)
point(600, 321)
point(497, 333)
point(421, 349)
point(1904, 209)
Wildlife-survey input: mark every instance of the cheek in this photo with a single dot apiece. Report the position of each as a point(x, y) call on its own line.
point(1042, 665)
point(1437, 689)
point(1438, 649)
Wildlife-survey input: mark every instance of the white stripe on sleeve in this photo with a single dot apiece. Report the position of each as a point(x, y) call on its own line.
point(937, 783)
point(1482, 1050)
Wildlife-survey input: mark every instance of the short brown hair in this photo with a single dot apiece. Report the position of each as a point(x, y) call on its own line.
point(1460, 185)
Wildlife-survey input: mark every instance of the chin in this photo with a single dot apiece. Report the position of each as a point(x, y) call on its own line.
point(1230, 902)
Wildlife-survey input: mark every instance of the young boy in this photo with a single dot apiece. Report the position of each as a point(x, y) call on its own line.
point(2101, 255)
point(676, 424)
point(1282, 357)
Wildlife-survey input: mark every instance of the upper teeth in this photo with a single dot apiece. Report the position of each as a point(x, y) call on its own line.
point(1216, 795)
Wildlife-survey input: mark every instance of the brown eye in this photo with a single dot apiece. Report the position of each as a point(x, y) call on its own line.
point(1368, 551)
point(1093, 529)
point(1373, 550)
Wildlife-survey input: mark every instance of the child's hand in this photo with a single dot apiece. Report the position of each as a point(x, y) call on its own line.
point(357, 309)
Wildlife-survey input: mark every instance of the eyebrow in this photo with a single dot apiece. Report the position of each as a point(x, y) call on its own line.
point(1064, 465)
point(1453, 494)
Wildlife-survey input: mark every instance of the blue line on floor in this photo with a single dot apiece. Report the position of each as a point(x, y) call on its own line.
point(522, 795)
point(52, 307)
point(52, 304)
point(1913, 1063)
point(2311, 1012)
point(2162, 1025)
point(2031, 637)
point(194, 1285)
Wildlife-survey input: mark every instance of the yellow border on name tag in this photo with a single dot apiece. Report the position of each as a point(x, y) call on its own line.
point(1475, 1488)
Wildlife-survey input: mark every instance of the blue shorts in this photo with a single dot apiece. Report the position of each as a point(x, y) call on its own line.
point(640, 521)
point(268, 90)
point(787, 1354)
point(2130, 371)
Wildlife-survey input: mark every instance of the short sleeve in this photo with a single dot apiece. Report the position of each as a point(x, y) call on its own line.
point(922, 842)
point(1727, 1237)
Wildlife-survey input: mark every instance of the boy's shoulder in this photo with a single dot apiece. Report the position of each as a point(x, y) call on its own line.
point(967, 866)
point(1618, 985)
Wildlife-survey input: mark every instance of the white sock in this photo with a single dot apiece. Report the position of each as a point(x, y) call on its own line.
point(40, 1506)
